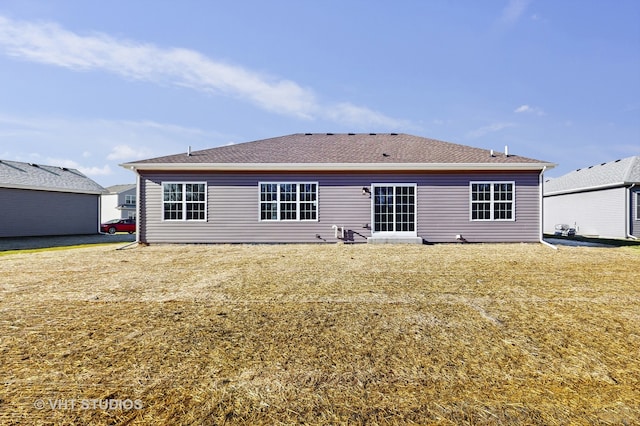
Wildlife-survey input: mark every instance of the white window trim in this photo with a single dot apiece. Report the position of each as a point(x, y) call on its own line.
point(298, 202)
point(413, 233)
point(184, 201)
point(492, 201)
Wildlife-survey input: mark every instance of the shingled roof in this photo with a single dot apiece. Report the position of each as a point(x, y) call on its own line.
point(18, 175)
point(348, 151)
point(117, 189)
point(605, 175)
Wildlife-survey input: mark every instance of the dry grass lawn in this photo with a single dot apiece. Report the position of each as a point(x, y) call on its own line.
point(321, 334)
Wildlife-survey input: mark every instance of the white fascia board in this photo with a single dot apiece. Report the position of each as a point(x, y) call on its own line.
point(334, 166)
point(41, 188)
point(585, 189)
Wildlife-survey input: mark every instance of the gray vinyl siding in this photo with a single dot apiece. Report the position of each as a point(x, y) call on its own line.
point(26, 213)
point(233, 208)
point(594, 213)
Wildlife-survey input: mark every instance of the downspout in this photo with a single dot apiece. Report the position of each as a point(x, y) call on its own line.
point(137, 207)
point(99, 213)
point(628, 213)
point(541, 214)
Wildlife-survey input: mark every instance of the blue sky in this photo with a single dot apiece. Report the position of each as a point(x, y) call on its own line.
point(90, 84)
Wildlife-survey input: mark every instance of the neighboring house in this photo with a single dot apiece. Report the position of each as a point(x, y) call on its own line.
point(601, 200)
point(119, 202)
point(339, 187)
point(46, 200)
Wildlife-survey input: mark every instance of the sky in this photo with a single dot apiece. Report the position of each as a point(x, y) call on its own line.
point(93, 84)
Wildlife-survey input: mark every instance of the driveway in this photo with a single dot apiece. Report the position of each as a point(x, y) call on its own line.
point(576, 243)
point(63, 240)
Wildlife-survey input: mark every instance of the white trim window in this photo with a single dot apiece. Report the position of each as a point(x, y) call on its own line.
point(288, 201)
point(393, 208)
point(492, 201)
point(129, 199)
point(184, 201)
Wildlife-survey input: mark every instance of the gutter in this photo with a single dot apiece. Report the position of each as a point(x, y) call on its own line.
point(334, 166)
point(585, 189)
point(51, 189)
point(628, 214)
point(541, 202)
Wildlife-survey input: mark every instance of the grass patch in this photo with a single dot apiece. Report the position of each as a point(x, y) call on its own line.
point(56, 248)
point(322, 334)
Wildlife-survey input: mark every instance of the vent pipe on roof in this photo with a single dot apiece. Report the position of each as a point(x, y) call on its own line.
point(189, 151)
point(506, 150)
point(492, 154)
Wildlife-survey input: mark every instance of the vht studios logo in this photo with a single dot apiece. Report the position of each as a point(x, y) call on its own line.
point(88, 404)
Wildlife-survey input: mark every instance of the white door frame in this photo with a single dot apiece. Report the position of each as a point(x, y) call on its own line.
point(394, 233)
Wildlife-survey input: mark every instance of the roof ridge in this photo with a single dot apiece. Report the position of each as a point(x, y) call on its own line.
point(626, 176)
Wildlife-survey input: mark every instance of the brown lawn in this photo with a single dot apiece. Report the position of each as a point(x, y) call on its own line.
point(321, 334)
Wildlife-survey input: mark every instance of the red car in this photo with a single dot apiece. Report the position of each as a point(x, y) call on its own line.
point(119, 225)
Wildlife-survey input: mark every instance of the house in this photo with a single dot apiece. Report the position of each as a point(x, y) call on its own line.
point(339, 187)
point(119, 202)
point(601, 200)
point(40, 200)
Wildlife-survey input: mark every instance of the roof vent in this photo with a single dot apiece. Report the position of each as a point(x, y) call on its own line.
point(308, 134)
point(33, 165)
point(189, 151)
point(352, 134)
point(602, 164)
point(394, 134)
point(372, 134)
point(492, 154)
point(506, 150)
point(384, 154)
point(329, 134)
point(577, 170)
point(616, 161)
point(64, 169)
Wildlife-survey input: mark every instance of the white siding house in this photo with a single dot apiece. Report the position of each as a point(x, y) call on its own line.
point(601, 200)
point(119, 202)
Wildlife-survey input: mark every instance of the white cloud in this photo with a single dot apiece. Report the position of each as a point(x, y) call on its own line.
point(48, 43)
point(86, 170)
point(514, 10)
point(51, 44)
point(360, 116)
point(125, 152)
point(91, 146)
point(495, 127)
point(96, 171)
point(529, 110)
